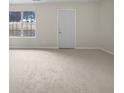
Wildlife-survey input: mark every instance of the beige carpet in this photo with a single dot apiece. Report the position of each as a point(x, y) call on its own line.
point(61, 71)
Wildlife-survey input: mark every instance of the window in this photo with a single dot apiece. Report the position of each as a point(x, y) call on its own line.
point(22, 24)
point(14, 23)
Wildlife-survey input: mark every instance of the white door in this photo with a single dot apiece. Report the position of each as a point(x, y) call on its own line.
point(66, 28)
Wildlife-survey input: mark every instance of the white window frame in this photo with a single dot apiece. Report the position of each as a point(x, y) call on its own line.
point(22, 27)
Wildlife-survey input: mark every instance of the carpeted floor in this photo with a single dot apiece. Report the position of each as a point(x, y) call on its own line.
point(61, 71)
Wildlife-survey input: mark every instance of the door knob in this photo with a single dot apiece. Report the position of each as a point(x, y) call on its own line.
point(60, 32)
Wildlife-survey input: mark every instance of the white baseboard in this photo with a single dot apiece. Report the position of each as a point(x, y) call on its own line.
point(87, 48)
point(98, 48)
point(33, 47)
point(108, 51)
point(105, 50)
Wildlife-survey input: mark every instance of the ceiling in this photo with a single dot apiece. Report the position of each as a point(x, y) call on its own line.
point(47, 1)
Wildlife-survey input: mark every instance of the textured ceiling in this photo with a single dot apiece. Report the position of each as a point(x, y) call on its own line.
point(45, 1)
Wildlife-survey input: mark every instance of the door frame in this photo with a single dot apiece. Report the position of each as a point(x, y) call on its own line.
point(58, 27)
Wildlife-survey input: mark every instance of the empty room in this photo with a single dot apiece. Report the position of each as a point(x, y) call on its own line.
point(61, 46)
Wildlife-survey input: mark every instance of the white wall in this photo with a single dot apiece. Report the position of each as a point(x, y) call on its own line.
point(107, 24)
point(95, 25)
point(87, 24)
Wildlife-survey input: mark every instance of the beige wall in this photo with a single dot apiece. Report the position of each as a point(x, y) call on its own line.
point(87, 24)
point(94, 28)
point(107, 24)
